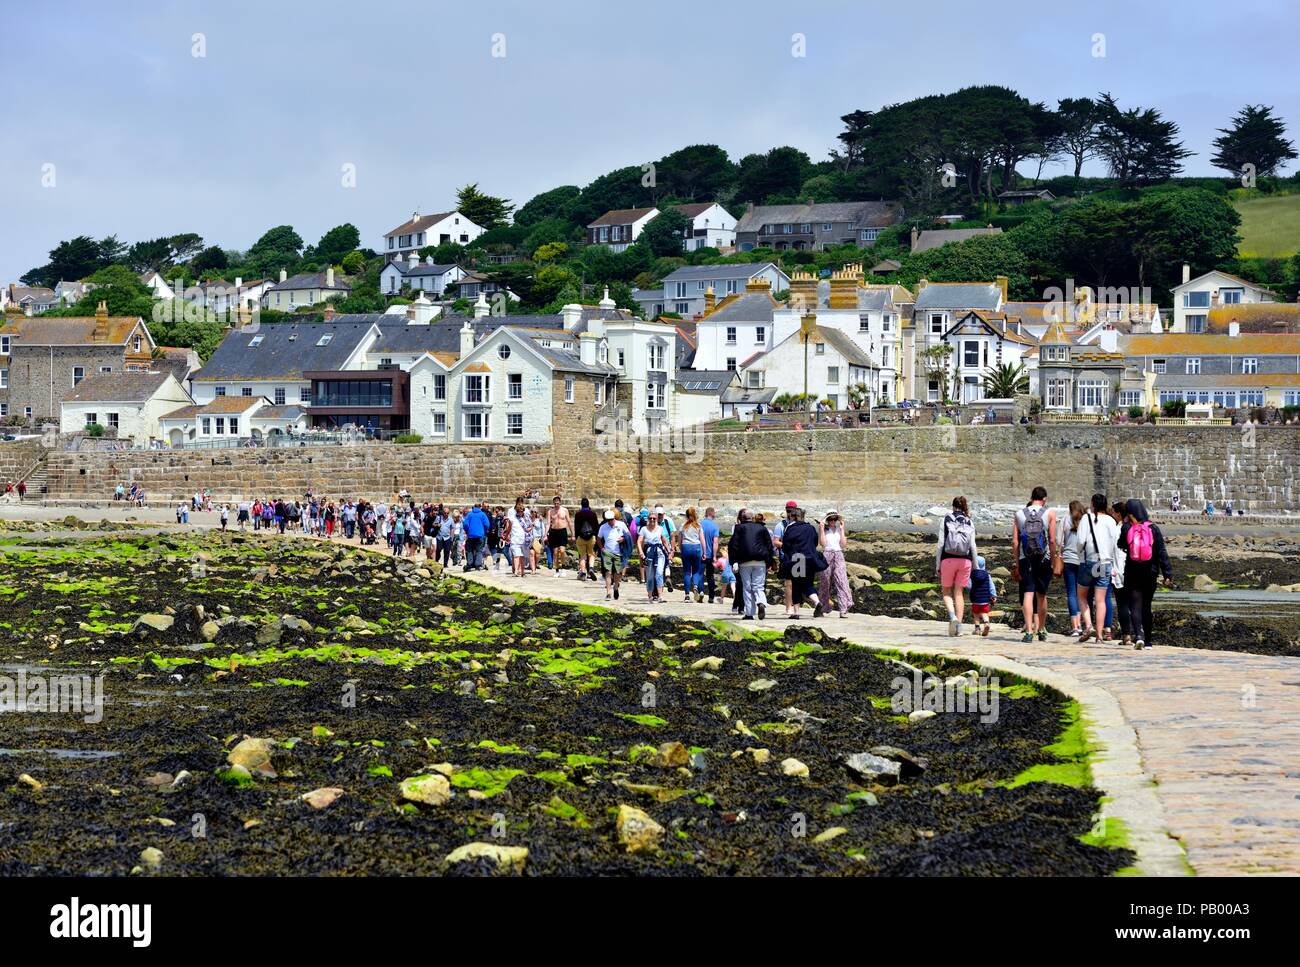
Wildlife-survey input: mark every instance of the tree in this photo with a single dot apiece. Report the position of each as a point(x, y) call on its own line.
point(780, 173)
point(1005, 381)
point(111, 251)
point(664, 233)
point(212, 257)
point(487, 211)
point(1140, 147)
point(354, 263)
point(185, 246)
point(117, 285)
point(336, 243)
point(934, 363)
point(556, 203)
point(1256, 138)
point(1079, 117)
point(978, 259)
point(698, 172)
point(281, 239)
point(71, 260)
point(153, 255)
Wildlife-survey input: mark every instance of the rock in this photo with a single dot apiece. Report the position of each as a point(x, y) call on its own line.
point(34, 784)
point(711, 664)
point(875, 768)
point(864, 571)
point(320, 798)
point(920, 715)
point(670, 755)
point(153, 622)
point(827, 835)
point(151, 857)
point(294, 623)
point(761, 757)
point(508, 859)
point(761, 684)
point(919, 521)
point(912, 765)
point(637, 832)
point(794, 768)
point(182, 777)
point(159, 779)
point(209, 630)
point(793, 714)
point(271, 632)
point(1204, 583)
point(1001, 572)
point(433, 790)
point(253, 755)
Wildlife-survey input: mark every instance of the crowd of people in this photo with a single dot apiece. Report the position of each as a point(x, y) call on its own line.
point(1109, 555)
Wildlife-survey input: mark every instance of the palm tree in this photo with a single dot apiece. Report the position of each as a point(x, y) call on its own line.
point(1006, 381)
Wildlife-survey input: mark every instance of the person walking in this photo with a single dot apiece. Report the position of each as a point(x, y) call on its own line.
point(954, 561)
point(710, 533)
point(690, 546)
point(1099, 540)
point(750, 552)
point(225, 516)
point(1070, 555)
point(476, 526)
point(557, 534)
point(801, 562)
point(613, 536)
point(586, 525)
point(983, 596)
point(1147, 563)
point(653, 544)
point(516, 536)
point(835, 578)
point(1117, 601)
point(1032, 544)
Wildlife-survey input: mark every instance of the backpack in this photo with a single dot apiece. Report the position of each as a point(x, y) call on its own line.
point(584, 529)
point(958, 535)
point(1140, 541)
point(1033, 533)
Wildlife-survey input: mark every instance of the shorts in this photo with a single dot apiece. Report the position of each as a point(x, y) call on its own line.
point(586, 546)
point(1089, 580)
point(1035, 576)
point(954, 572)
point(243, 515)
point(610, 561)
point(557, 537)
point(980, 609)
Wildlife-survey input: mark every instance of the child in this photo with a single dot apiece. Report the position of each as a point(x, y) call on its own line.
point(727, 581)
point(983, 595)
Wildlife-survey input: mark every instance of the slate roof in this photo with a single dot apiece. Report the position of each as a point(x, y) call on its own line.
point(69, 330)
point(620, 216)
point(745, 307)
point(313, 280)
point(1211, 344)
point(413, 225)
point(124, 387)
point(286, 351)
point(421, 268)
point(934, 238)
point(860, 214)
point(958, 295)
point(710, 381)
point(725, 272)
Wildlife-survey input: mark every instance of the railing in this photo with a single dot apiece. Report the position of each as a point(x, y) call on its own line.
point(1193, 421)
point(1075, 418)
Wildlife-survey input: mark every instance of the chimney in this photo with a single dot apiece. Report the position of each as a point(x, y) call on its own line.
point(587, 346)
point(413, 259)
point(239, 282)
point(466, 339)
point(1234, 328)
point(1108, 340)
point(328, 313)
point(759, 283)
point(803, 291)
point(415, 215)
point(920, 285)
point(283, 275)
point(1187, 273)
point(749, 208)
point(101, 322)
point(27, 309)
point(606, 303)
point(423, 310)
point(844, 286)
point(481, 307)
point(1002, 286)
point(572, 315)
point(329, 277)
point(915, 235)
point(710, 300)
point(428, 260)
point(410, 314)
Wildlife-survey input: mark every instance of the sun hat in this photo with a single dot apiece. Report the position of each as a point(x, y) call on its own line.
point(609, 515)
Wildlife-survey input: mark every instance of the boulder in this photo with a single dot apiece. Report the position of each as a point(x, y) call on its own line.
point(271, 632)
point(875, 768)
point(919, 521)
point(761, 684)
point(1204, 583)
point(794, 768)
point(671, 755)
point(912, 765)
point(320, 798)
point(920, 715)
point(711, 664)
point(153, 622)
point(637, 832)
point(209, 630)
point(431, 790)
point(508, 859)
point(253, 755)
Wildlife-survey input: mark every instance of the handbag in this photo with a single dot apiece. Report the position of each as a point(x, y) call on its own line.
point(1058, 562)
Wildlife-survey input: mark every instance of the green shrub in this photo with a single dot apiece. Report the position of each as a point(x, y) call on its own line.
point(407, 438)
point(94, 429)
point(1135, 412)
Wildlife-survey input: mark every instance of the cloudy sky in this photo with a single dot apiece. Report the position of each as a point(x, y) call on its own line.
point(146, 139)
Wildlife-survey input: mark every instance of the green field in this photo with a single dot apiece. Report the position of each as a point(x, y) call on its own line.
point(1270, 226)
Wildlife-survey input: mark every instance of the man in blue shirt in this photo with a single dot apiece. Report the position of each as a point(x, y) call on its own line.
point(476, 525)
point(709, 531)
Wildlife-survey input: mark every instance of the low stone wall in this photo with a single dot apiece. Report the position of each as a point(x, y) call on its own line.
point(16, 458)
point(851, 468)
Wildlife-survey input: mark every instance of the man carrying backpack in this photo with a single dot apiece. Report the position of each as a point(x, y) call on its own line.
point(954, 560)
point(1033, 543)
point(585, 526)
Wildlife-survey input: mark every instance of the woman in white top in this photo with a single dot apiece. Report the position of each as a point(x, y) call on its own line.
point(836, 576)
point(1067, 539)
point(1098, 552)
point(517, 536)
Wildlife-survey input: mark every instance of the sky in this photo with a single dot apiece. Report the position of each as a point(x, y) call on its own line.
point(115, 126)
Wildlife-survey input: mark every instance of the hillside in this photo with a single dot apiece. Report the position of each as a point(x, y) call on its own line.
point(1270, 226)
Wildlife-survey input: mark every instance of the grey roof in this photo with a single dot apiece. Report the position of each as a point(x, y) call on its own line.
point(288, 411)
point(948, 236)
point(286, 350)
point(314, 280)
point(124, 387)
point(853, 354)
point(711, 381)
point(874, 300)
point(958, 295)
point(648, 295)
point(862, 214)
point(741, 394)
point(727, 272)
point(421, 268)
point(748, 307)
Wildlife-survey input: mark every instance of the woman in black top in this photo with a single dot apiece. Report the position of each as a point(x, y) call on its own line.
point(1140, 576)
point(800, 564)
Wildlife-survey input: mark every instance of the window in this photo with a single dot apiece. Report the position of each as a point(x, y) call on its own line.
point(884, 356)
point(136, 344)
point(1252, 397)
point(1196, 323)
point(514, 384)
point(503, 351)
point(832, 374)
point(1250, 365)
point(569, 382)
point(4, 409)
point(932, 390)
point(105, 369)
point(514, 424)
point(819, 349)
point(27, 412)
point(1230, 297)
point(1131, 397)
point(246, 391)
point(221, 426)
point(279, 396)
point(1193, 365)
point(234, 426)
point(92, 418)
point(325, 339)
point(1092, 394)
point(1158, 366)
point(475, 426)
point(657, 355)
point(886, 323)
point(603, 353)
point(4, 345)
point(620, 359)
point(760, 335)
point(870, 234)
point(1291, 398)
point(304, 394)
point(970, 353)
point(827, 226)
point(1196, 300)
point(78, 374)
point(599, 394)
point(478, 389)
point(936, 323)
point(732, 287)
point(113, 421)
point(255, 341)
point(654, 396)
point(4, 378)
point(439, 386)
point(440, 423)
point(1056, 393)
point(682, 308)
point(731, 364)
point(681, 290)
point(864, 324)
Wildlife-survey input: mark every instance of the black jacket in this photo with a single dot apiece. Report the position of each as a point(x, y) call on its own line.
point(750, 542)
point(800, 542)
point(1159, 563)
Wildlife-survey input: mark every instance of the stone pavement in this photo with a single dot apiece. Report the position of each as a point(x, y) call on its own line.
point(1200, 750)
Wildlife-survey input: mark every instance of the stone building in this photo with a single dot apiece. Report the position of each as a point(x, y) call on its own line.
point(1076, 379)
point(43, 358)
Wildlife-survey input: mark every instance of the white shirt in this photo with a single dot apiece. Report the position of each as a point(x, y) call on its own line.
point(831, 539)
point(1106, 532)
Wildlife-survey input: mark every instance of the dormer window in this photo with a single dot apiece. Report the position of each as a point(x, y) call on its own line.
point(255, 341)
point(325, 339)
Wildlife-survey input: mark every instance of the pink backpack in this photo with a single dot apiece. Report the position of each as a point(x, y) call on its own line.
point(1140, 541)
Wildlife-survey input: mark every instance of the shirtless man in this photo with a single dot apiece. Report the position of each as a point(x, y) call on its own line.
point(558, 527)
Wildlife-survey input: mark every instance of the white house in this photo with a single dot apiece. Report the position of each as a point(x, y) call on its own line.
point(979, 342)
point(420, 231)
point(157, 285)
point(411, 273)
point(1194, 299)
point(685, 289)
point(129, 403)
point(619, 229)
point(836, 367)
point(735, 329)
point(712, 226)
point(305, 289)
point(229, 420)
